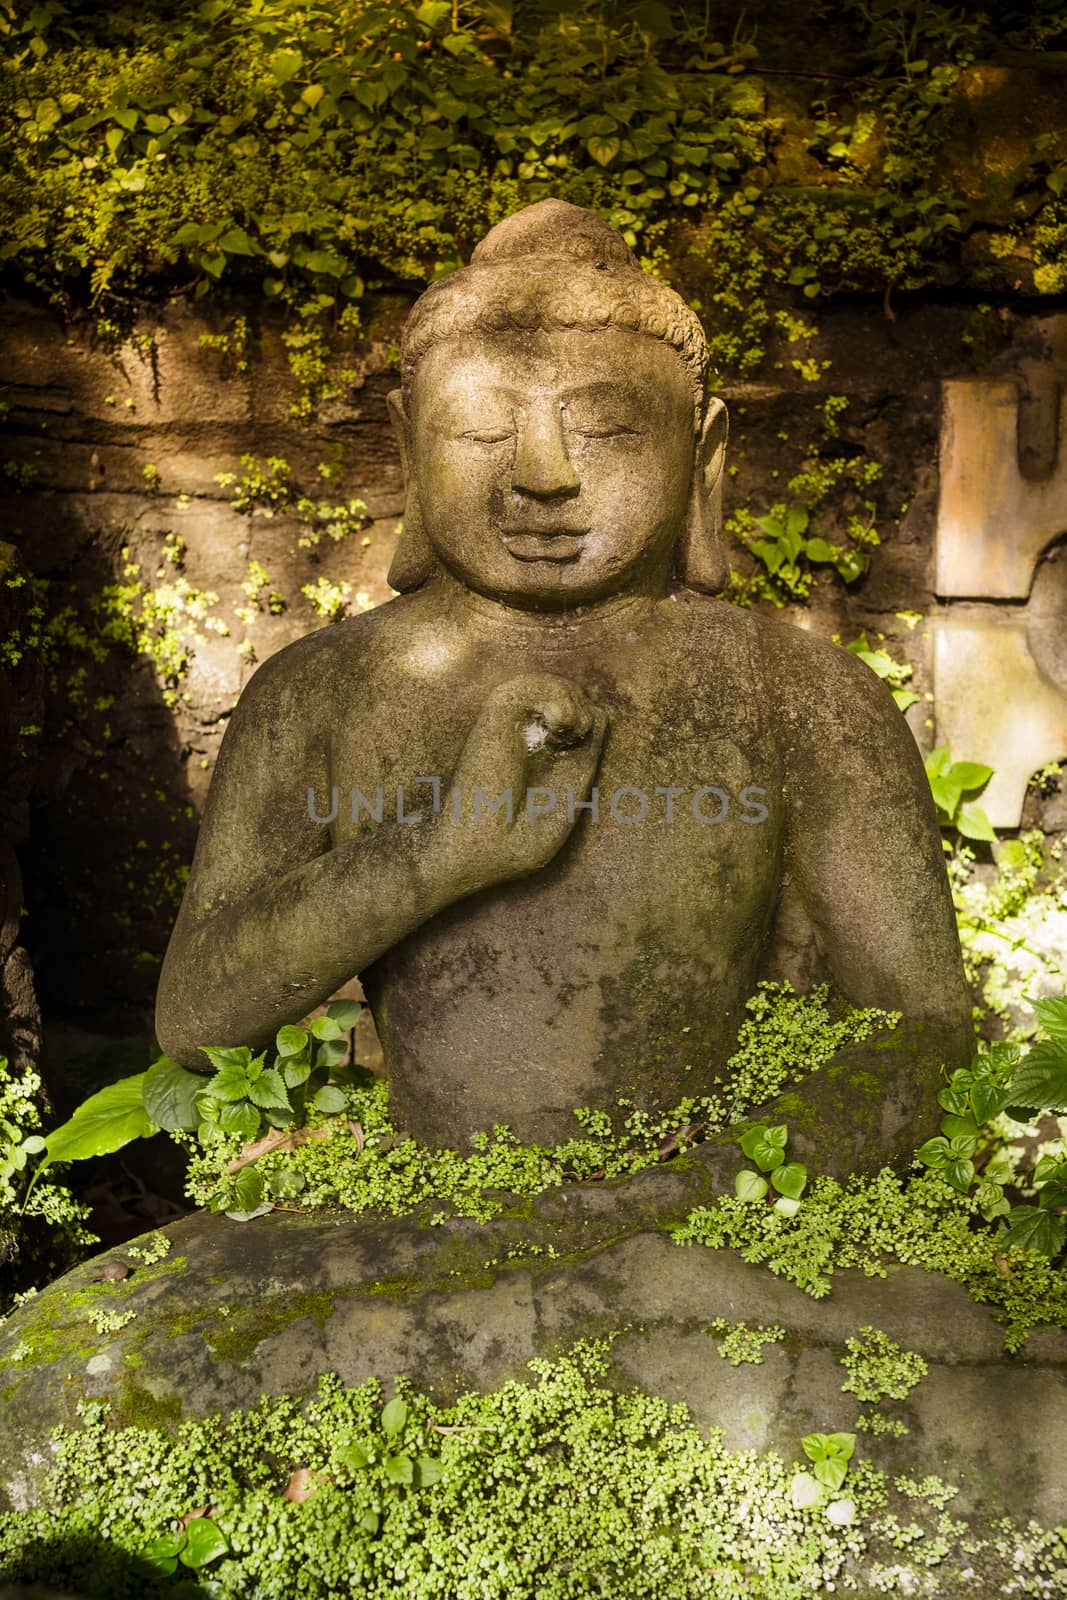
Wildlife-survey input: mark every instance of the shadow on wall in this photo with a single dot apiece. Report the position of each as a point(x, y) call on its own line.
point(159, 590)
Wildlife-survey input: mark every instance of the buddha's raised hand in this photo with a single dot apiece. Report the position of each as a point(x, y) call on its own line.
point(527, 765)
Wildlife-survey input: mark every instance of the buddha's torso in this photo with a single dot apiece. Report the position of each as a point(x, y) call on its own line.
point(620, 969)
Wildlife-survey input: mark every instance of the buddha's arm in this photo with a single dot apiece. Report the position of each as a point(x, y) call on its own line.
point(276, 918)
point(864, 852)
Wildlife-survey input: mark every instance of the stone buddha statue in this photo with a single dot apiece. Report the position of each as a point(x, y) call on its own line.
point(558, 806)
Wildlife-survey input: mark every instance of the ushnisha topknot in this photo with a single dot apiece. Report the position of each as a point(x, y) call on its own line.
point(554, 265)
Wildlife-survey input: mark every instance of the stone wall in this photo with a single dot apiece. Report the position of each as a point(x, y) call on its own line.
point(113, 502)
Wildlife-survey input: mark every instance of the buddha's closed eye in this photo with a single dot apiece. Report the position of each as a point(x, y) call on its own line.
point(495, 435)
point(603, 430)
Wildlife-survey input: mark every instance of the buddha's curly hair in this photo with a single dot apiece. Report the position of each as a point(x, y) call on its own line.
point(554, 265)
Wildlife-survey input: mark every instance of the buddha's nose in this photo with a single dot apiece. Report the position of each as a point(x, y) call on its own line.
point(542, 465)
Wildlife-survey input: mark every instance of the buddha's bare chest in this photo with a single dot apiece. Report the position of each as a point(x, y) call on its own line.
point(623, 965)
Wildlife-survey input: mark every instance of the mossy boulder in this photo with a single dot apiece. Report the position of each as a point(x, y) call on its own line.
point(237, 1310)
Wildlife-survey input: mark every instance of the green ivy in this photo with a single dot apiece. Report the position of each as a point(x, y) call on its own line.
point(320, 154)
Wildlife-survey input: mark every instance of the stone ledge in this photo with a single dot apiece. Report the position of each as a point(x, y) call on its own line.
point(239, 1310)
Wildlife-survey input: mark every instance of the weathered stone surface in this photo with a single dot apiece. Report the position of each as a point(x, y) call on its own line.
point(999, 108)
point(993, 523)
point(239, 1310)
point(21, 698)
point(995, 705)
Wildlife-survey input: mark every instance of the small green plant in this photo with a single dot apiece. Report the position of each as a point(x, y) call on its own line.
point(265, 485)
point(327, 599)
point(740, 1343)
point(324, 519)
point(829, 1454)
point(1003, 1081)
point(154, 1248)
point(41, 1230)
point(390, 1457)
point(894, 674)
point(196, 1545)
point(785, 546)
point(877, 1367)
point(243, 1097)
point(766, 1147)
point(950, 781)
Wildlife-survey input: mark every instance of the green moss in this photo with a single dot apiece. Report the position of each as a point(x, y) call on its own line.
point(139, 1408)
point(245, 1328)
point(866, 1084)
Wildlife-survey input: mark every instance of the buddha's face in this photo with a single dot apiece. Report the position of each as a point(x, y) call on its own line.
point(552, 468)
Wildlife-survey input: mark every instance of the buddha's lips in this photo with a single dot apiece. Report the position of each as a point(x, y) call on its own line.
point(544, 544)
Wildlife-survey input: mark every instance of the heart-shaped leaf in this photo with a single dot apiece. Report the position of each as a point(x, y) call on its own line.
point(326, 1027)
point(204, 1542)
point(832, 1471)
point(329, 1100)
point(790, 1179)
point(603, 150)
point(805, 1491)
point(970, 774)
point(290, 1041)
point(750, 1186)
point(345, 1013)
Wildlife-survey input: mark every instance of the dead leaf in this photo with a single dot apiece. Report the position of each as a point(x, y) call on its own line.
point(191, 1516)
point(280, 1139)
point(277, 1139)
point(303, 1484)
point(674, 1141)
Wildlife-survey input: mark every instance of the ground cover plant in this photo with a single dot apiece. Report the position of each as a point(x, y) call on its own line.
point(556, 1485)
point(311, 160)
point(309, 1132)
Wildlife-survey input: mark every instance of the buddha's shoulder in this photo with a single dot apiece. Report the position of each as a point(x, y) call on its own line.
point(336, 653)
point(795, 669)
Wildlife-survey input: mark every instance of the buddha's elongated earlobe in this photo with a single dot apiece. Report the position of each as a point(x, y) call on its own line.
point(702, 560)
point(414, 562)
